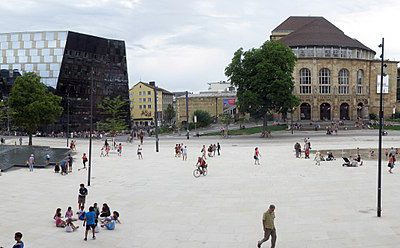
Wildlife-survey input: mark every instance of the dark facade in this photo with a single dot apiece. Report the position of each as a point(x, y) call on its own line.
point(89, 58)
point(7, 79)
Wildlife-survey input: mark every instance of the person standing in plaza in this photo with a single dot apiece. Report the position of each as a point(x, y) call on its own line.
point(269, 227)
point(203, 152)
point(184, 153)
point(31, 162)
point(391, 161)
point(90, 221)
point(257, 156)
point(84, 160)
point(119, 149)
point(139, 152)
point(70, 160)
point(20, 141)
point(83, 192)
point(18, 237)
point(218, 148)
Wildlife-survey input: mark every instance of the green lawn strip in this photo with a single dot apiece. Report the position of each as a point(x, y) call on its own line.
point(250, 130)
point(397, 127)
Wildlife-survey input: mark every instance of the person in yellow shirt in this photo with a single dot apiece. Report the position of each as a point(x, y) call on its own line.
point(269, 227)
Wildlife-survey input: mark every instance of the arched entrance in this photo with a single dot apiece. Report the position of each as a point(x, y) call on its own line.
point(305, 111)
point(344, 111)
point(360, 107)
point(325, 111)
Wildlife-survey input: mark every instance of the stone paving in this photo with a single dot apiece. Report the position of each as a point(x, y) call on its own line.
point(163, 205)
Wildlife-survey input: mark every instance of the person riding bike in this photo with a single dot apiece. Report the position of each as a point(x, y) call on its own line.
point(201, 164)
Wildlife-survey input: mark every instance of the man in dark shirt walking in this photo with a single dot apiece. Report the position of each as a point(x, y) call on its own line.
point(82, 196)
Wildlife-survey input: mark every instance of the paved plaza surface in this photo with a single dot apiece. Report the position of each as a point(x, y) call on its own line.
point(162, 205)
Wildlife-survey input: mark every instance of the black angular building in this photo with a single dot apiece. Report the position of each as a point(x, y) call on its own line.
point(67, 62)
point(89, 58)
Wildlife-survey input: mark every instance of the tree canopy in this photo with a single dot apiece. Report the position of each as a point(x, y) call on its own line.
point(114, 108)
point(203, 118)
point(32, 105)
point(263, 77)
point(169, 114)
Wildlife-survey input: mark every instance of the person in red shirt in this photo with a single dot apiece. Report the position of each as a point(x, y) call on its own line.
point(202, 164)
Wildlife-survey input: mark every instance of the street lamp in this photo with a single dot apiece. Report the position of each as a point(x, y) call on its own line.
point(68, 119)
point(156, 116)
point(379, 203)
point(91, 128)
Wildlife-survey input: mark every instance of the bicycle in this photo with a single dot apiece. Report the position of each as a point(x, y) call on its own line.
point(198, 172)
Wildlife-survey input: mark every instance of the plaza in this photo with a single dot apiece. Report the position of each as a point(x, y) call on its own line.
point(163, 205)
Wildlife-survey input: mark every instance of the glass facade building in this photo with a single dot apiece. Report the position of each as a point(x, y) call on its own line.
point(68, 62)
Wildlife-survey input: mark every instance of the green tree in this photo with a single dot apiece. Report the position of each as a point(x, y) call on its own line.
point(263, 77)
point(169, 114)
point(114, 108)
point(3, 114)
point(203, 118)
point(32, 105)
point(226, 119)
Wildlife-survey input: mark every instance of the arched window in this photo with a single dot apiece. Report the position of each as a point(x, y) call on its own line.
point(343, 81)
point(305, 81)
point(325, 81)
point(360, 81)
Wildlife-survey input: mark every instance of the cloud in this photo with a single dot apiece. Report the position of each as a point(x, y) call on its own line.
point(185, 44)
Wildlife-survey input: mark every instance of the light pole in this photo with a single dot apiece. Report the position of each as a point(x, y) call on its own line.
point(291, 120)
point(379, 207)
point(91, 128)
point(156, 116)
point(187, 115)
point(68, 119)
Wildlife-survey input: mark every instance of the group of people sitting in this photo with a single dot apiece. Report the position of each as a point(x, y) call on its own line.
point(104, 217)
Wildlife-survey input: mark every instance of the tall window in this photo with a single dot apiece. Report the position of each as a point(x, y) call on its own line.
point(343, 81)
point(305, 81)
point(360, 81)
point(325, 81)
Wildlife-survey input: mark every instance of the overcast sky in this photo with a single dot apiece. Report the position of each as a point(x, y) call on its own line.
point(183, 44)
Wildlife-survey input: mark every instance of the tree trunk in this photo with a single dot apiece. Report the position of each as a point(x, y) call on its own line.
point(265, 123)
point(30, 139)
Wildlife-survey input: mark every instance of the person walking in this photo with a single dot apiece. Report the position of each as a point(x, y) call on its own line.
point(70, 160)
point(392, 159)
point(269, 227)
point(20, 141)
point(257, 156)
point(90, 221)
point(31, 162)
point(184, 153)
point(84, 160)
point(218, 148)
point(83, 192)
point(139, 152)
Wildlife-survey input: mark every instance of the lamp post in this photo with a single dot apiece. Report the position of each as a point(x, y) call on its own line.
point(156, 116)
point(187, 115)
point(379, 203)
point(91, 128)
point(68, 119)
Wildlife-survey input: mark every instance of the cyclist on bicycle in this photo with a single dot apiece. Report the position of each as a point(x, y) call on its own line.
point(201, 164)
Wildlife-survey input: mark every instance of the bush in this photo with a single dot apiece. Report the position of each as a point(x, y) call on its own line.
point(203, 118)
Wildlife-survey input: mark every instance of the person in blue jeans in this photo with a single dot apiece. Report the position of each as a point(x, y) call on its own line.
point(90, 221)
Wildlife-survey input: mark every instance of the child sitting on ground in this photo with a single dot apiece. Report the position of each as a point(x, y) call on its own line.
point(109, 222)
point(69, 214)
point(81, 213)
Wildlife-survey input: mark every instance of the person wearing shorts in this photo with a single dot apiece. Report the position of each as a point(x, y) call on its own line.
point(82, 196)
point(90, 221)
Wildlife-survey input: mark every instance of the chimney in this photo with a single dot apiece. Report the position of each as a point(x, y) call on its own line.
point(152, 83)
